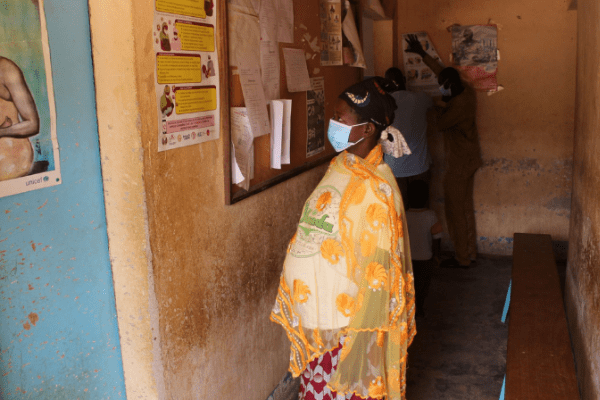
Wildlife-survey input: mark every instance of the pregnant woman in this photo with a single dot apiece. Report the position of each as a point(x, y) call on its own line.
point(346, 294)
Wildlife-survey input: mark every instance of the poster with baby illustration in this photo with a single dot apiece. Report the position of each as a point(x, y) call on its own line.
point(28, 147)
point(187, 81)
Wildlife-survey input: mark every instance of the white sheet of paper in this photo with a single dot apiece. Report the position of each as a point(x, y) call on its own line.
point(276, 132)
point(236, 173)
point(269, 24)
point(296, 72)
point(249, 7)
point(270, 70)
point(242, 141)
point(285, 33)
point(241, 131)
point(251, 162)
point(286, 131)
point(244, 38)
point(254, 97)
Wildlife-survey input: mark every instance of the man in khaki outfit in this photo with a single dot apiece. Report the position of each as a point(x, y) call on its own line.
point(456, 119)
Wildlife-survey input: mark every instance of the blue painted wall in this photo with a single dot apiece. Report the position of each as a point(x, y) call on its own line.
point(58, 328)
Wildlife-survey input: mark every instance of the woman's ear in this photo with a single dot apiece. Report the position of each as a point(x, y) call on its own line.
point(369, 130)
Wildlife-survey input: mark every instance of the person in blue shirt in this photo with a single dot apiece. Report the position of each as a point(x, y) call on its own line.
point(411, 121)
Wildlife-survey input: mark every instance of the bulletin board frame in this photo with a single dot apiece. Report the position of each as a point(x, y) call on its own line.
point(336, 78)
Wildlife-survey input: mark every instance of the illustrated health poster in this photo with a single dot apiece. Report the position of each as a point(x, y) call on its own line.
point(475, 53)
point(29, 157)
point(187, 72)
point(315, 117)
point(419, 77)
point(330, 14)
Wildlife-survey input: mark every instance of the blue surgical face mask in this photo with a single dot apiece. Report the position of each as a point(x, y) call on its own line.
point(338, 135)
point(446, 92)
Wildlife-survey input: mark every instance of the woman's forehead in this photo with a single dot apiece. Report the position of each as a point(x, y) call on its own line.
point(343, 108)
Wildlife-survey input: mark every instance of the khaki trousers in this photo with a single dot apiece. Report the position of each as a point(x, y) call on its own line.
point(460, 211)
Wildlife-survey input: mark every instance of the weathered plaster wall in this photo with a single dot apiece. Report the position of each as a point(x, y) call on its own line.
point(58, 327)
point(216, 267)
point(124, 196)
point(526, 130)
point(583, 272)
point(382, 46)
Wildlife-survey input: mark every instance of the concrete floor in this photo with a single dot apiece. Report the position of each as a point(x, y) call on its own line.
point(460, 348)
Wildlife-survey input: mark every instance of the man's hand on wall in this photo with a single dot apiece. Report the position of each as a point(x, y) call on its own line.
point(414, 45)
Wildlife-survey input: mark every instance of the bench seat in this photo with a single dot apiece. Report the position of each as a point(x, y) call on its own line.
point(539, 362)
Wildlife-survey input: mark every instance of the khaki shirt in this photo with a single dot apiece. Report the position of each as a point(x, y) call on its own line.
point(457, 122)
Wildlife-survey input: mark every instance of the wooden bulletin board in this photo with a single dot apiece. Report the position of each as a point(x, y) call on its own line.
point(337, 78)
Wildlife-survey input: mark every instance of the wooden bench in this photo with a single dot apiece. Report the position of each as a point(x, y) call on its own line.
point(539, 362)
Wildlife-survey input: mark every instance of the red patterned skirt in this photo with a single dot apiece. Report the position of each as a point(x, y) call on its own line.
point(313, 381)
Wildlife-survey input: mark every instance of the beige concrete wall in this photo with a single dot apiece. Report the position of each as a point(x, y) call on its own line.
point(124, 195)
point(583, 273)
point(383, 32)
point(216, 267)
point(526, 130)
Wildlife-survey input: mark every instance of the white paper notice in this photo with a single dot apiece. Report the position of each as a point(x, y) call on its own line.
point(296, 72)
point(254, 97)
point(237, 176)
point(242, 141)
point(251, 162)
point(269, 25)
point(244, 38)
point(286, 131)
point(241, 132)
point(270, 71)
point(276, 133)
point(236, 173)
point(286, 21)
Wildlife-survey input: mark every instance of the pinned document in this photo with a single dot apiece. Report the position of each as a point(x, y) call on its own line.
point(242, 141)
point(281, 113)
point(254, 97)
point(296, 71)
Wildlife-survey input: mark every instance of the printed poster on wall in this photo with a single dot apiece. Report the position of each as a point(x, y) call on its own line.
point(187, 72)
point(29, 156)
point(330, 13)
point(315, 111)
point(351, 47)
point(475, 53)
point(419, 77)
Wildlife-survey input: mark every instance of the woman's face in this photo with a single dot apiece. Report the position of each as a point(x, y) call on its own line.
point(344, 114)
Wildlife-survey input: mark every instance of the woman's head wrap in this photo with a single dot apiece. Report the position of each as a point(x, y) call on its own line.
point(370, 100)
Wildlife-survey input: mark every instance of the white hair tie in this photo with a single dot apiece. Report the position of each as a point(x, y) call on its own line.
point(393, 143)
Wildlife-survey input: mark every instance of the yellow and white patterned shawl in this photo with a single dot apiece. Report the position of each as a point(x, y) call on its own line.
point(348, 279)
